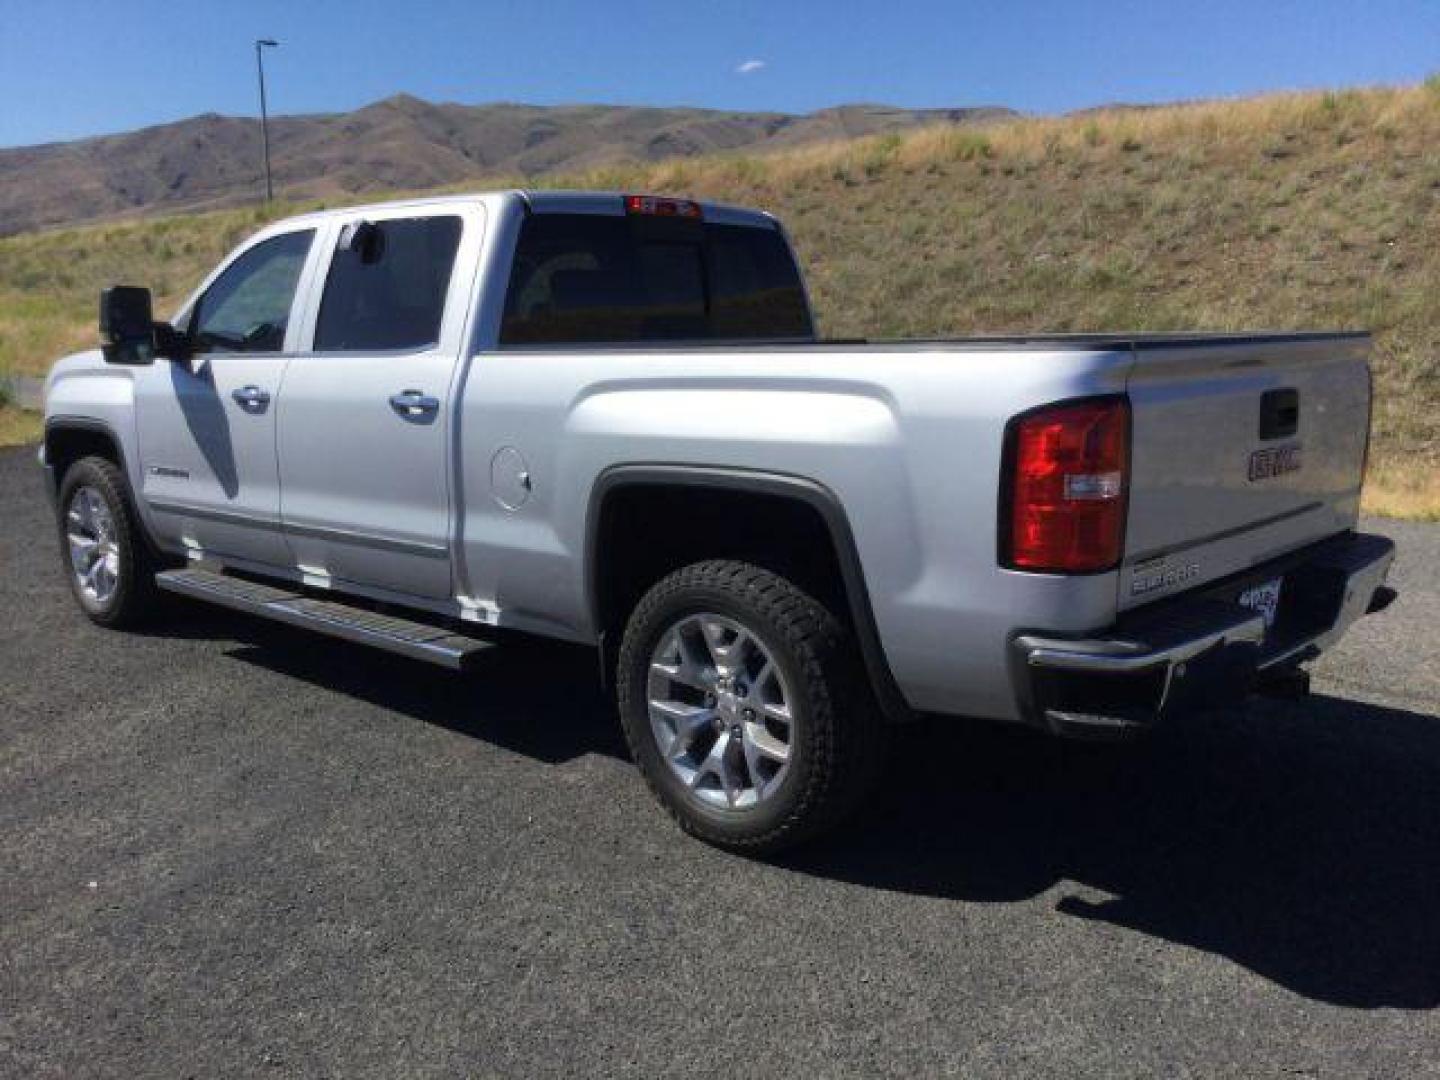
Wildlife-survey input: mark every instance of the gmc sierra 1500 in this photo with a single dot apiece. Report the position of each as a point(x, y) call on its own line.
point(608, 419)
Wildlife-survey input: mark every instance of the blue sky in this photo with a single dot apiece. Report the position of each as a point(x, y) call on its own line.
point(69, 69)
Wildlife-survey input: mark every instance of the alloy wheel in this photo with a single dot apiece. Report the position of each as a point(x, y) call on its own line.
point(720, 711)
point(94, 550)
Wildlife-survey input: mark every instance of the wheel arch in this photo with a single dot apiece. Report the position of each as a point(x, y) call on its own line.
point(69, 438)
point(606, 598)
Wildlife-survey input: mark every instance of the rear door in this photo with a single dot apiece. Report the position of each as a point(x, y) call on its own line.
point(1242, 450)
point(206, 423)
point(366, 416)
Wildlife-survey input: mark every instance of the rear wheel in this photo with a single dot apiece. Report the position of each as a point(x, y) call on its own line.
point(745, 706)
point(109, 567)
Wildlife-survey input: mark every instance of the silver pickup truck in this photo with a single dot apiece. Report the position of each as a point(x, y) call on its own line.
point(427, 426)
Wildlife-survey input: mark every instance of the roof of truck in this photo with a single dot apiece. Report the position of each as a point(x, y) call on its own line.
point(548, 202)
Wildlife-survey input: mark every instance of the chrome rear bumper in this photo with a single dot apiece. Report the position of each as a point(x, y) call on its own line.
point(1202, 648)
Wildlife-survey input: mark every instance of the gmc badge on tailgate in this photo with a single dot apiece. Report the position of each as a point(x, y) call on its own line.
point(1275, 461)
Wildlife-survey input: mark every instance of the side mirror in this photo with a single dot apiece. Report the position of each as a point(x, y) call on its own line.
point(127, 328)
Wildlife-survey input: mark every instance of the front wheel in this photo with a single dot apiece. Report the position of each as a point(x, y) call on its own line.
point(111, 571)
point(745, 705)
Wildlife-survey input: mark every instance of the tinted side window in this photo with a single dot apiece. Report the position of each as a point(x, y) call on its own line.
point(247, 308)
point(389, 293)
point(584, 278)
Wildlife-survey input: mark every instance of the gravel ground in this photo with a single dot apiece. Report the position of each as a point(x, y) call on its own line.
point(233, 849)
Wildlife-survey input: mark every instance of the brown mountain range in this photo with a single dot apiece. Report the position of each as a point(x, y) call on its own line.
point(399, 143)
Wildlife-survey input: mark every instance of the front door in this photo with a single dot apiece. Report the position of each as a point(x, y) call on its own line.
point(367, 416)
point(206, 424)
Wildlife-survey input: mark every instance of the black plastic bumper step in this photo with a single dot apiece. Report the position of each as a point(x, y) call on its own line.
point(422, 641)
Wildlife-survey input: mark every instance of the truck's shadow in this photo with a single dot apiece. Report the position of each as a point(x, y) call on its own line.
point(1301, 841)
point(539, 699)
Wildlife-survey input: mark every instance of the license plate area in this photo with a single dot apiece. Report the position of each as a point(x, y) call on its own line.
point(1263, 598)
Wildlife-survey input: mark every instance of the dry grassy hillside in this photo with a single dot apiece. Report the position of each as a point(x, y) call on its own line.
point(1315, 210)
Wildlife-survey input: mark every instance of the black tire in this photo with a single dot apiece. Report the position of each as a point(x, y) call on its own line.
point(837, 740)
point(135, 598)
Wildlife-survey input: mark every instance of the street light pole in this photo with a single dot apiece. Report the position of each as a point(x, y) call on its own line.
point(263, 43)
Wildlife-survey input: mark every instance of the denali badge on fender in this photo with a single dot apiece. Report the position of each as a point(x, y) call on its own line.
point(1274, 461)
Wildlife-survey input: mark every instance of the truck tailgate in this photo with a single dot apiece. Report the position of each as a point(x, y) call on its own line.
point(1242, 449)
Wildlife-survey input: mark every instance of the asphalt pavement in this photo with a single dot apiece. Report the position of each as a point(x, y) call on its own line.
point(231, 849)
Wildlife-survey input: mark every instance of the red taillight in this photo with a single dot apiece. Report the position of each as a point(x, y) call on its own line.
point(655, 206)
point(1066, 473)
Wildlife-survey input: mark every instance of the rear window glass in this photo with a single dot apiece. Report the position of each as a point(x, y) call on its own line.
point(389, 293)
point(586, 278)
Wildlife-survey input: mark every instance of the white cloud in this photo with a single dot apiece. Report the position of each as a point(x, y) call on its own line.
point(749, 67)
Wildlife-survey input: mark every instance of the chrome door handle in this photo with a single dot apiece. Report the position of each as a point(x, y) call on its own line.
point(251, 397)
point(414, 403)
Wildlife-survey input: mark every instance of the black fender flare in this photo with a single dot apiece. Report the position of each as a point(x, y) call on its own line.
point(819, 498)
point(53, 479)
point(55, 425)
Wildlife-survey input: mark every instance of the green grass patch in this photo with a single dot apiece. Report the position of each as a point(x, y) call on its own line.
point(19, 427)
